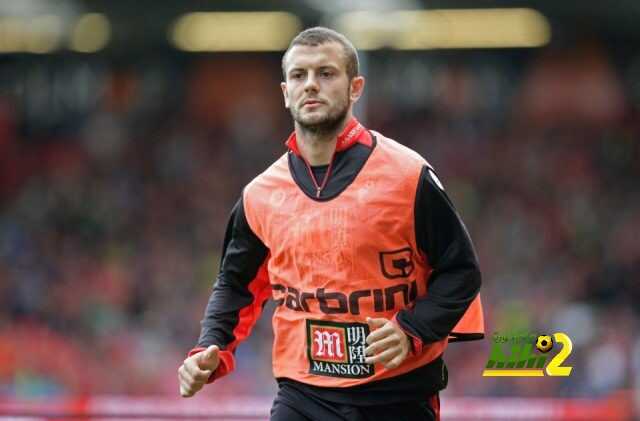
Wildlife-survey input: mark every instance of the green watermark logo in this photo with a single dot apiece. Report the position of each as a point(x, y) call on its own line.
point(528, 355)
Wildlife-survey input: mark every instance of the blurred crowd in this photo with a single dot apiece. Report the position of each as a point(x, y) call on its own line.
point(112, 216)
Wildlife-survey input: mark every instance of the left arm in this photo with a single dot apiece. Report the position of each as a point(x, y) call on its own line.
point(455, 280)
point(453, 285)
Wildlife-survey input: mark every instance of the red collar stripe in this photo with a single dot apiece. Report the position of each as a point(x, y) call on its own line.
point(353, 133)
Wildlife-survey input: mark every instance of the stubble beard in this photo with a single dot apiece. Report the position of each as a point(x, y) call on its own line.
point(325, 126)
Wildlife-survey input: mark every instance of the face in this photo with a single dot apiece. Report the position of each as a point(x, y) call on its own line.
point(317, 89)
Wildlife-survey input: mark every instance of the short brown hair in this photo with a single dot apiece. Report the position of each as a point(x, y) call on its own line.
point(319, 35)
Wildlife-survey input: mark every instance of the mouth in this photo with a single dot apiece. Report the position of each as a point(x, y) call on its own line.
point(312, 103)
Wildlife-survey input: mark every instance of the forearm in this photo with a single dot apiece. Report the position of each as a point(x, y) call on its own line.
point(240, 290)
point(449, 295)
point(455, 280)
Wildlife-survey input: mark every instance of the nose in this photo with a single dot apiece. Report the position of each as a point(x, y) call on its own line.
point(311, 83)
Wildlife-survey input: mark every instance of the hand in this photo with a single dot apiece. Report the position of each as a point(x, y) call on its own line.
point(388, 344)
point(196, 370)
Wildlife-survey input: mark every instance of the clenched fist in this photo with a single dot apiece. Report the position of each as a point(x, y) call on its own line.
point(196, 370)
point(388, 344)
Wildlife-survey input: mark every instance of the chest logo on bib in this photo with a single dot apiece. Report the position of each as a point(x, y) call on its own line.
point(397, 263)
point(337, 349)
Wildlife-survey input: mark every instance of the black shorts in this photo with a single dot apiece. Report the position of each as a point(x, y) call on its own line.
point(292, 405)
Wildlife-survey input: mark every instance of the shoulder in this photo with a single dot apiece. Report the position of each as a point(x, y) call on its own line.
point(276, 173)
point(399, 151)
point(263, 192)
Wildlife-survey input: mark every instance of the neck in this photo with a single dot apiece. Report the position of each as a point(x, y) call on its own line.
point(318, 147)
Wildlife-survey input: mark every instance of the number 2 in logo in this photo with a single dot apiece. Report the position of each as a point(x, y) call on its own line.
point(555, 368)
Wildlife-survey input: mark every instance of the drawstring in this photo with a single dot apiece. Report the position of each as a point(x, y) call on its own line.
point(325, 180)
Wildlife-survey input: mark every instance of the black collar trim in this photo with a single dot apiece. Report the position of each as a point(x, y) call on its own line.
point(347, 165)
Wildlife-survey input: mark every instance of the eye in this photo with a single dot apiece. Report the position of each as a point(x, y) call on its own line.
point(296, 75)
point(326, 74)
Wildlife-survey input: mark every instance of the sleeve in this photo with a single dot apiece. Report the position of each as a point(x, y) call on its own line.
point(239, 294)
point(455, 281)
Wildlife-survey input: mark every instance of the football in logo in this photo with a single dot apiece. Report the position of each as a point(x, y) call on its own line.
point(544, 343)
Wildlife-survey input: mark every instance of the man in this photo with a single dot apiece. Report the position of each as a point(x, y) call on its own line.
point(353, 236)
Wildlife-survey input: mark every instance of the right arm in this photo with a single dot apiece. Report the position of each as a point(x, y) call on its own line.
point(241, 289)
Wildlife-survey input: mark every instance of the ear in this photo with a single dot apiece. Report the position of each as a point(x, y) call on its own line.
point(357, 88)
point(285, 94)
